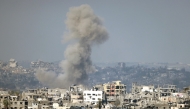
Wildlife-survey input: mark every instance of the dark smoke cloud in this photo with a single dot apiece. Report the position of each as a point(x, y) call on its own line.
point(85, 29)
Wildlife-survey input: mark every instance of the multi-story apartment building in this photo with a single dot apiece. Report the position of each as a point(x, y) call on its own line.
point(115, 88)
point(15, 103)
point(143, 91)
point(166, 90)
point(76, 92)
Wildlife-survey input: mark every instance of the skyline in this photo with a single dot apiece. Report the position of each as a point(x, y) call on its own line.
point(139, 31)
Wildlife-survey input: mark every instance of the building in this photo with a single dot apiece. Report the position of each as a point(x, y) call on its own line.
point(166, 90)
point(57, 106)
point(76, 93)
point(15, 103)
point(143, 91)
point(121, 64)
point(13, 63)
point(114, 88)
point(57, 93)
point(92, 97)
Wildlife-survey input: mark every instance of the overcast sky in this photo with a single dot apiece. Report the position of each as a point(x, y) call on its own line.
point(139, 30)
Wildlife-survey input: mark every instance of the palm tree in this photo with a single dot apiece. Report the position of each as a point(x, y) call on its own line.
point(6, 104)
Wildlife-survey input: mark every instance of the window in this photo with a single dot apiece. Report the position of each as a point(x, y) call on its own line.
point(112, 90)
point(99, 94)
point(93, 98)
point(117, 87)
point(108, 87)
point(108, 91)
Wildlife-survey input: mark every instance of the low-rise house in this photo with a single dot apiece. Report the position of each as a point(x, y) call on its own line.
point(168, 99)
point(92, 97)
point(161, 106)
point(57, 93)
point(57, 106)
point(76, 97)
point(33, 106)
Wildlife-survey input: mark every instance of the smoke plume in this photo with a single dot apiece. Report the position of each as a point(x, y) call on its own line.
point(85, 29)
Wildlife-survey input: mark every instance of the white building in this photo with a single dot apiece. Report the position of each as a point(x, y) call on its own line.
point(33, 106)
point(147, 88)
point(13, 63)
point(56, 106)
point(92, 97)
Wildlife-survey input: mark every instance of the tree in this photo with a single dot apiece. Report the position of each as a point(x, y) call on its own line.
point(6, 104)
point(185, 89)
point(117, 102)
point(15, 93)
point(99, 104)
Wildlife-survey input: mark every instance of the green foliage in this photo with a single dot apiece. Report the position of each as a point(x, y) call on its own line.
point(14, 92)
point(6, 103)
point(185, 89)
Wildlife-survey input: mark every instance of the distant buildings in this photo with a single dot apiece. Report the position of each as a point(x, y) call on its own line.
point(13, 63)
point(41, 64)
point(106, 96)
point(121, 64)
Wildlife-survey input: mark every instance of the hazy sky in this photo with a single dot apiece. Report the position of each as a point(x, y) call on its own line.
point(139, 30)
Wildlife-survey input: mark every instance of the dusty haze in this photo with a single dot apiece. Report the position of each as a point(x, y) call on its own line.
point(84, 29)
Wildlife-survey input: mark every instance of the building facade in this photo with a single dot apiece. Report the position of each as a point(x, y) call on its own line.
point(92, 97)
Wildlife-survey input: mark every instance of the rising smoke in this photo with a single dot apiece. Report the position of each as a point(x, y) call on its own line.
point(85, 30)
